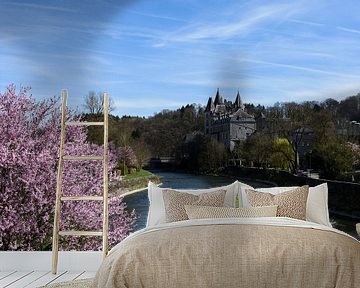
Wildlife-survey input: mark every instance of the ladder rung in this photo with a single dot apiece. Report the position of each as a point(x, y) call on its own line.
point(74, 198)
point(84, 123)
point(80, 233)
point(83, 157)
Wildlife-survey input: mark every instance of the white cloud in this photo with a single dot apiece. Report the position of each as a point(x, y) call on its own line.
point(306, 22)
point(218, 30)
point(348, 30)
point(156, 16)
point(39, 6)
point(302, 68)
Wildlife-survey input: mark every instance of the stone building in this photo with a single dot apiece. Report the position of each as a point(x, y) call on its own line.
point(354, 130)
point(228, 122)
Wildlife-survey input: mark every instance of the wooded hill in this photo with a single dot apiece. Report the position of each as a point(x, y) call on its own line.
point(178, 133)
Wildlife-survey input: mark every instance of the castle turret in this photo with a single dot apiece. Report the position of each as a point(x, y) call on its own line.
point(238, 102)
point(210, 105)
point(218, 98)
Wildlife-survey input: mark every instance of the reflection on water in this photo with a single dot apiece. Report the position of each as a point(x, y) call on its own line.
point(140, 202)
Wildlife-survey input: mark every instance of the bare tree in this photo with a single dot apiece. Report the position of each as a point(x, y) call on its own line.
point(290, 120)
point(142, 152)
point(94, 103)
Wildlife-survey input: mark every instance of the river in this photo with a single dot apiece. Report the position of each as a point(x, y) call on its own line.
point(140, 202)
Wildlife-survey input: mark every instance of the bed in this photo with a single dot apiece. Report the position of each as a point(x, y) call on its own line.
point(234, 251)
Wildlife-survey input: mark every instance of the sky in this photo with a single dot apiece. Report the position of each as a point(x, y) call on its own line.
point(155, 55)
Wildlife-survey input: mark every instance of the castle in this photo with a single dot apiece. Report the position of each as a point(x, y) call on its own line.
point(228, 122)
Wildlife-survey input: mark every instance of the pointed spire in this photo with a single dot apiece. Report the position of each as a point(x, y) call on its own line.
point(218, 98)
point(210, 105)
point(238, 102)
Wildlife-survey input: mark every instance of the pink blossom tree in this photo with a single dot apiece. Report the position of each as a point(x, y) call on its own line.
point(355, 149)
point(127, 156)
point(29, 147)
point(127, 159)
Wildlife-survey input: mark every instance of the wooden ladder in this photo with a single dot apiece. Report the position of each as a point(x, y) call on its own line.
point(59, 197)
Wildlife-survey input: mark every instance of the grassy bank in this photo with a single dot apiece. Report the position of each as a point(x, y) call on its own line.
point(141, 173)
point(134, 181)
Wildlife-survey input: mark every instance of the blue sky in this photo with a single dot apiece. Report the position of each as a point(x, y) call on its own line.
point(154, 55)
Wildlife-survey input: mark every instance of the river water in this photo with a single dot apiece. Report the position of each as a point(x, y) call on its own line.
point(140, 202)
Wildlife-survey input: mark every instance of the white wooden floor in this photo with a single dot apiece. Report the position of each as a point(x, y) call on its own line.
point(32, 279)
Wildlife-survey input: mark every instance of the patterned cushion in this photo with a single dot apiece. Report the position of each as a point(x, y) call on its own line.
point(200, 212)
point(156, 213)
point(175, 201)
point(290, 204)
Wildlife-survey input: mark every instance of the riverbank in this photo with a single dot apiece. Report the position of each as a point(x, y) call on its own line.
point(132, 183)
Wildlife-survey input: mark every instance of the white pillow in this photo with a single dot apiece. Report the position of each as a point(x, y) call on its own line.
point(317, 203)
point(157, 208)
point(317, 209)
point(242, 188)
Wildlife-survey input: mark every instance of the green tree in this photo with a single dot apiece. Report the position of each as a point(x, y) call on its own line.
point(331, 105)
point(333, 158)
point(282, 154)
point(349, 108)
point(165, 131)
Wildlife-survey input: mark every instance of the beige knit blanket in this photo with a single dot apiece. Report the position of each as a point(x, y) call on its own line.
point(261, 252)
